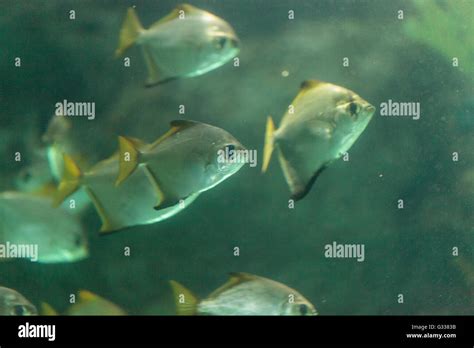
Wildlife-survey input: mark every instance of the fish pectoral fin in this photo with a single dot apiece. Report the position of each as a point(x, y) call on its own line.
point(186, 302)
point(298, 175)
point(128, 158)
point(155, 75)
point(161, 198)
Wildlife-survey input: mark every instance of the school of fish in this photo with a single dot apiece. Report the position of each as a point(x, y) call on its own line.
point(144, 183)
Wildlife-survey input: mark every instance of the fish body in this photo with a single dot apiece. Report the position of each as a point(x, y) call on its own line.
point(321, 124)
point(186, 43)
point(244, 294)
point(31, 220)
point(14, 303)
point(160, 179)
point(184, 162)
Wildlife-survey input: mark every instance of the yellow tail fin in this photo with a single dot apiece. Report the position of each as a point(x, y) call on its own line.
point(269, 145)
point(186, 301)
point(128, 158)
point(70, 181)
point(131, 28)
point(46, 309)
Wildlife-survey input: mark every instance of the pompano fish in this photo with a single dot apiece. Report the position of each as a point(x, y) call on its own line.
point(244, 294)
point(14, 303)
point(28, 219)
point(188, 42)
point(183, 162)
point(88, 304)
point(324, 123)
point(187, 156)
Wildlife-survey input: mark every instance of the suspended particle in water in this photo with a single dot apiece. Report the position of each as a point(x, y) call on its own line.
point(285, 73)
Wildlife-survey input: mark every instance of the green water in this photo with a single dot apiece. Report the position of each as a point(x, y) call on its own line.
point(408, 251)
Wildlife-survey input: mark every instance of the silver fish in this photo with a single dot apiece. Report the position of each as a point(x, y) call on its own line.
point(158, 181)
point(14, 303)
point(188, 42)
point(244, 294)
point(321, 124)
point(31, 220)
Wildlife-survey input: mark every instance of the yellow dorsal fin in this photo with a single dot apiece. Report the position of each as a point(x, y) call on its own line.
point(70, 181)
point(176, 125)
point(186, 301)
point(86, 296)
point(235, 278)
point(128, 158)
point(47, 309)
point(269, 144)
point(181, 12)
point(309, 84)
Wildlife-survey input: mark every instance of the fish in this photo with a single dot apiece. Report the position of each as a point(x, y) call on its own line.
point(244, 294)
point(321, 124)
point(31, 220)
point(187, 42)
point(14, 303)
point(88, 304)
point(176, 169)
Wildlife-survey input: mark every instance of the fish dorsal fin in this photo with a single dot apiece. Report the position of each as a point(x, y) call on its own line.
point(177, 13)
point(176, 126)
point(310, 84)
point(86, 296)
point(235, 278)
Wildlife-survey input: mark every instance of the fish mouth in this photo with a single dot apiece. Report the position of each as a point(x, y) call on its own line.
point(370, 108)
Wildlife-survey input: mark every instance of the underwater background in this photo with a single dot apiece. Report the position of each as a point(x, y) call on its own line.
point(408, 251)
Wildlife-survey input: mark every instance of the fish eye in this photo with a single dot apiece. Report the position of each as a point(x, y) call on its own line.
point(220, 42)
point(229, 147)
point(353, 108)
point(303, 309)
point(19, 310)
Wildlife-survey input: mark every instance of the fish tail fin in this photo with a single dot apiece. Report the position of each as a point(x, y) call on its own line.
point(47, 309)
point(131, 28)
point(128, 158)
point(269, 143)
point(186, 301)
point(70, 181)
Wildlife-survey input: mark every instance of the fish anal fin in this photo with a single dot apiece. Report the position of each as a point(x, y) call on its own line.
point(154, 74)
point(186, 302)
point(128, 158)
point(156, 187)
point(303, 191)
point(107, 225)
